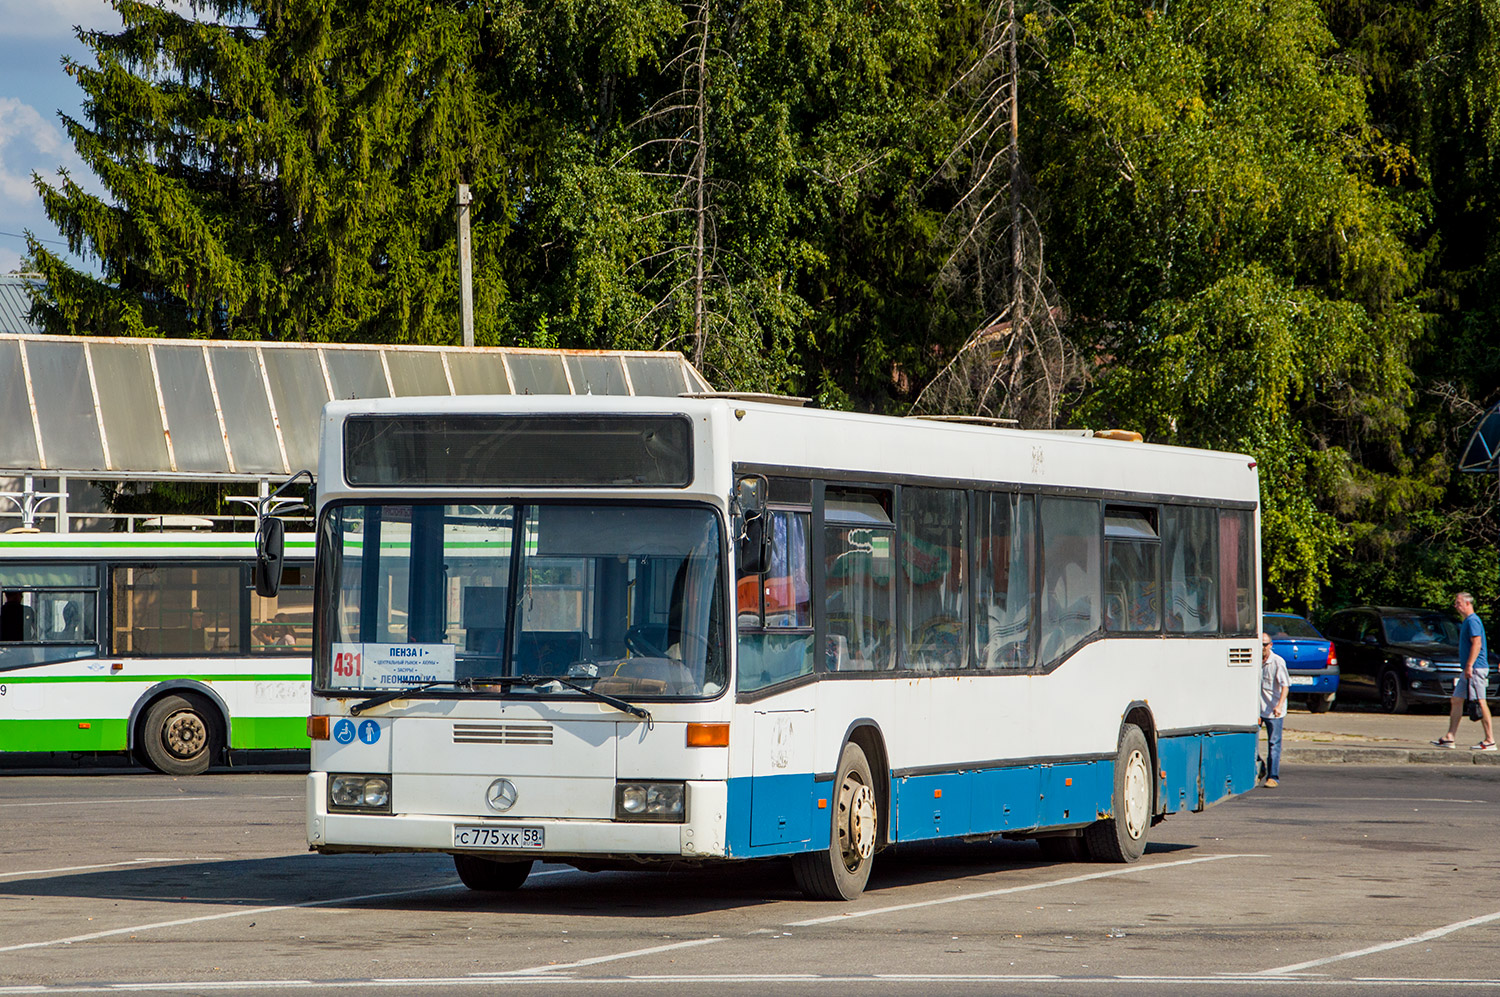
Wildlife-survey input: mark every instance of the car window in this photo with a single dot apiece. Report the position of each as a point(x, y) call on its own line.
point(1420, 628)
point(1291, 626)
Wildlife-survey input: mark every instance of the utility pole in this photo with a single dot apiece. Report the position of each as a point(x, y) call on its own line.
point(465, 265)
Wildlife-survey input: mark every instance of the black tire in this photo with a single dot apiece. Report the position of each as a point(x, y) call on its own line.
point(180, 735)
point(1063, 848)
point(490, 875)
point(841, 871)
point(1321, 703)
point(1122, 838)
point(1392, 696)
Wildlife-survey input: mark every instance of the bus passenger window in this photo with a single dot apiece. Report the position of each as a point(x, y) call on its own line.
point(1070, 575)
point(932, 578)
point(1190, 569)
point(1236, 572)
point(1004, 538)
point(1132, 574)
point(861, 601)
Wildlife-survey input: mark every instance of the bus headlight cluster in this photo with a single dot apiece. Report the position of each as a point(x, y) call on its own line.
point(368, 793)
point(651, 801)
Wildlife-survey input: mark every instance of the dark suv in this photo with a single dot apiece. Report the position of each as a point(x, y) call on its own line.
point(1399, 656)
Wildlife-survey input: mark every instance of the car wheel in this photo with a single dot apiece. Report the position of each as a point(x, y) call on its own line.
point(1122, 837)
point(840, 871)
point(1392, 696)
point(179, 735)
point(1321, 703)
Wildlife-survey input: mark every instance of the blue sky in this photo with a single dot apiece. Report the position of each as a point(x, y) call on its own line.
point(34, 36)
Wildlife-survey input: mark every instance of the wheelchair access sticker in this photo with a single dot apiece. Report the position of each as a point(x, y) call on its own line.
point(343, 731)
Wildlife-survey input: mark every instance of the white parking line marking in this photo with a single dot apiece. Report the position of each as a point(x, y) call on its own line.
point(237, 912)
point(246, 912)
point(596, 960)
point(1425, 936)
point(1128, 870)
point(107, 865)
point(142, 799)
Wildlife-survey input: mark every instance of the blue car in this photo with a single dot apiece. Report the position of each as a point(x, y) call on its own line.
point(1310, 661)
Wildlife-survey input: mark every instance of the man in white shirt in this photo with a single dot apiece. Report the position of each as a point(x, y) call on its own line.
point(1274, 685)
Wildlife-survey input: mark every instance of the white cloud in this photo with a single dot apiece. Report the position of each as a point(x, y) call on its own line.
point(28, 142)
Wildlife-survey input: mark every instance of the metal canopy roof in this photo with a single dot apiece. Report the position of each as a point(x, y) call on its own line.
point(1484, 445)
point(155, 408)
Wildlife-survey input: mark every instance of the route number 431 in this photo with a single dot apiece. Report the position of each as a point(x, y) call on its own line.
point(346, 664)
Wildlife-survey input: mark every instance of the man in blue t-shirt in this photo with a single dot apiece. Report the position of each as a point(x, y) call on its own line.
point(1474, 656)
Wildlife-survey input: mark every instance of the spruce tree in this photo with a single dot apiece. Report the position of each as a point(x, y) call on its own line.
point(280, 169)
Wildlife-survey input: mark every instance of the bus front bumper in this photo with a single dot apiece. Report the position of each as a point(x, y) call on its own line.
point(701, 835)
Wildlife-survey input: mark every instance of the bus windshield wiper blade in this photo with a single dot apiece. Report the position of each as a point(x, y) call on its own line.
point(607, 700)
point(381, 699)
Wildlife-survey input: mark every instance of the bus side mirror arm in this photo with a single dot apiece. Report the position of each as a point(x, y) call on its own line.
point(270, 537)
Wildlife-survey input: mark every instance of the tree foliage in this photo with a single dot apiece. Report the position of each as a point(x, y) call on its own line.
point(1227, 223)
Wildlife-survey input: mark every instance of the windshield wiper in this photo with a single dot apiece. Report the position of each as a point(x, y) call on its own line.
point(607, 700)
point(381, 699)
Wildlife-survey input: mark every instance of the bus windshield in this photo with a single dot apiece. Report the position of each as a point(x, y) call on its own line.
point(626, 600)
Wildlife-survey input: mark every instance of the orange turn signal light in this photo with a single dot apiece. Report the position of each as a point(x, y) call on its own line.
point(708, 735)
point(319, 728)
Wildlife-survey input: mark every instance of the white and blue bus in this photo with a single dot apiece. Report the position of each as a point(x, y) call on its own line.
point(709, 628)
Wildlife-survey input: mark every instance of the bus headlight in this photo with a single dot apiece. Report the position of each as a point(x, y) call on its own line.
point(651, 801)
point(363, 793)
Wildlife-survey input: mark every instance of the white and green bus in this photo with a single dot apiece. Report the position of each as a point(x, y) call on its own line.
point(155, 644)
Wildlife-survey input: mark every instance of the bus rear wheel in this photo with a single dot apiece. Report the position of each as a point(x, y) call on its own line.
point(841, 871)
point(179, 735)
point(490, 876)
point(1122, 838)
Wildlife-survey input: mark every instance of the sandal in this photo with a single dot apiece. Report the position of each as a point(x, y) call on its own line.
point(1444, 742)
point(1485, 746)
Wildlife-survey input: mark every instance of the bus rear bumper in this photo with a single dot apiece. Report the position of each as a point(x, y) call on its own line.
point(700, 836)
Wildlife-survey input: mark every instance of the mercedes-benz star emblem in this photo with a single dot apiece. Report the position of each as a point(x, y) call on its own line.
point(501, 795)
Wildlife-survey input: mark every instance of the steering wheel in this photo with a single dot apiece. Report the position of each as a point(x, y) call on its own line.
point(638, 643)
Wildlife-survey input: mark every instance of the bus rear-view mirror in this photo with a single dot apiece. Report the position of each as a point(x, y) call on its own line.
point(270, 550)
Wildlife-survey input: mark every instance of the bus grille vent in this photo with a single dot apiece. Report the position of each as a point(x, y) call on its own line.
point(502, 733)
point(1241, 655)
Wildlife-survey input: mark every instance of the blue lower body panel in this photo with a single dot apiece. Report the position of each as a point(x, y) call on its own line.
point(785, 814)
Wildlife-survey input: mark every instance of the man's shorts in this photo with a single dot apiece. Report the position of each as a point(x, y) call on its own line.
point(1475, 687)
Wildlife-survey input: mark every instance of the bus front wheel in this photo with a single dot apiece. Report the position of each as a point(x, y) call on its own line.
point(489, 876)
point(841, 871)
point(1122, 838)
point(179, 735)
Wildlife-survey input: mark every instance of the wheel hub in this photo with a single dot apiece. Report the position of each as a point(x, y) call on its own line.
point(1137, 796)
point(184, 734)
point(856, 822)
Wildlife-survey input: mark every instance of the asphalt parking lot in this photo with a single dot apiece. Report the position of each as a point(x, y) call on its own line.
point(1381, 879)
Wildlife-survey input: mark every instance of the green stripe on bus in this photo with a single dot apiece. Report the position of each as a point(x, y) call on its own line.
point(62, 735)
point(245, 546)
point(8, 679)
point(270, 732)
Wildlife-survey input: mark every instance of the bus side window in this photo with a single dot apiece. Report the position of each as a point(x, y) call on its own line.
point(1189, 567)
point(1005, 541)
point(1070, 575)
point(775, 609)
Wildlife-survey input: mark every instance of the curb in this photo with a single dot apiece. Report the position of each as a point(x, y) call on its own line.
point(1390, 756)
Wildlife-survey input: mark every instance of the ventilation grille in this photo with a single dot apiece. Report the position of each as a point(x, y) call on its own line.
point(1241, 655)
point(502, 734)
